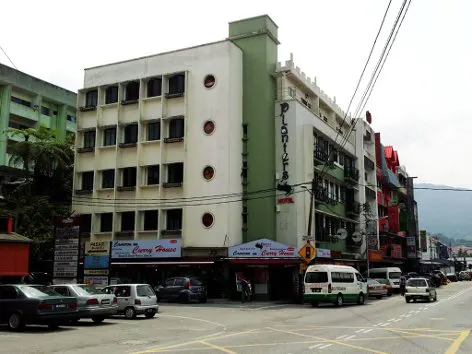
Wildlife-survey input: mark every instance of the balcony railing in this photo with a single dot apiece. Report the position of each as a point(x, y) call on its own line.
point(353, 208)
point(321, 194)
point(351, 174)
point(320, 154)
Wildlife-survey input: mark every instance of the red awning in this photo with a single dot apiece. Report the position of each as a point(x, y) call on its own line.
point(265, 261)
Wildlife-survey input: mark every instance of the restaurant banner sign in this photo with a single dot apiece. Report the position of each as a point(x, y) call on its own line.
point(146, 249)
point(96, 262)
point(263, 248)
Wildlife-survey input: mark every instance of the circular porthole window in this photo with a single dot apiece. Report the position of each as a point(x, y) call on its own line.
point(208, 220)
point(209, 81)
point(208, 173)
point(209, 127)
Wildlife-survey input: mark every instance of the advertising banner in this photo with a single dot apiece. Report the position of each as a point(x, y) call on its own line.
point(171, 248)
point(96, 262)
point(263, 248)
point(323, 253)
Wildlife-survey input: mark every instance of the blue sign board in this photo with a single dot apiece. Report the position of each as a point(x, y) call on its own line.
point(96, 262)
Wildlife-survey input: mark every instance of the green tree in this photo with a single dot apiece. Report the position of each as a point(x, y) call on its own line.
point(44, 194)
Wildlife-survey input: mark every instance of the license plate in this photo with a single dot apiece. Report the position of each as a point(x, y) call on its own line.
point(315, 290)
point(60, 306)
point(149, 310)
point(105, 302)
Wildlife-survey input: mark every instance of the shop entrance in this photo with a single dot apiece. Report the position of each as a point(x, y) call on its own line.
point(281, 283)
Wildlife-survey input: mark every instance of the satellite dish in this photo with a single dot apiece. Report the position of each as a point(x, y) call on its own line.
point(357, 237)
point(341, 234)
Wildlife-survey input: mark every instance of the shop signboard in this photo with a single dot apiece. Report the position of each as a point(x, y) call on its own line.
point(165, 248)
point(96, 262)
point(323, 253)
point(263, 248)
point(66, 250)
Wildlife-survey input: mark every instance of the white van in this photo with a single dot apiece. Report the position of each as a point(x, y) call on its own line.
point(333, 283)
point(392, 274)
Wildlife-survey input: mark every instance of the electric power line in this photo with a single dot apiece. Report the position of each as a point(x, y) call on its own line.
point(4, 52)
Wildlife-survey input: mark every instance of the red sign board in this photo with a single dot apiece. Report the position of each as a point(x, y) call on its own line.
point(285, 200)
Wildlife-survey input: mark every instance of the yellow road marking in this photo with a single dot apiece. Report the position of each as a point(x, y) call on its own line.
point(217, 347)
point(330, 341)
point(380, 328)
point(458, 342)
point(240, 346)
point(418, 335)
point(195, 341)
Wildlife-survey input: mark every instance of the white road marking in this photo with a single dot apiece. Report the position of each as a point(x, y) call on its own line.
point(315, 346)
point(360, 330)
point(195, 319)
point(378, 324)
point(266, 307)
point(392, 319)
point(409, 315)
point(350, 337)
point(385, 324)
point(403, 315)
point(326, 346)
point(397, 320)
point(368, 330)
point(341, 337)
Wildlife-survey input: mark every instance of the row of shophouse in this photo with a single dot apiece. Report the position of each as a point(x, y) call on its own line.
point(221, 161)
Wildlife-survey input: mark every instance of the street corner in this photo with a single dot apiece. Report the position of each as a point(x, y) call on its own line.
point(284, 339)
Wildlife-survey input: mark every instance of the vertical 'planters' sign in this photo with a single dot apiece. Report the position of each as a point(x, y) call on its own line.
point(284, 139)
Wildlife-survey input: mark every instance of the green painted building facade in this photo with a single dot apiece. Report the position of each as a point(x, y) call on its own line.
point(257, 37)
point(28, 102)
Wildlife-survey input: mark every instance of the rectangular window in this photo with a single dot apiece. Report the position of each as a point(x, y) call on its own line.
point(91, 98)
point(174, 219)
point(176, 128)
point(150, 220)
point(45, 111)
point(177, 84)
point(109, 137)
point(175, 172)
point(89, 139)
point(127, 221)
point(111, 94)
point(154, 131)
point(154, 87)
point(129, 177)
point(20, 101)
point(71, 119)
point(85, 225)
point(87, 181)
point(131, 134)
point(106, 222)
point(152, 175)
point(108, 179)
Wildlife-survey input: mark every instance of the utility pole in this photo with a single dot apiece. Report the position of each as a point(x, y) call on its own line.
point(312, 209)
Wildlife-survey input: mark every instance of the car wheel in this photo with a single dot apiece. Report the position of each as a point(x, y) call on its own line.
point(314, 304)
point(379, 297)
point(339, 300)
point(74, 321)
point(407, 299)
point(203, 301)
point(435, 298)
point(130, 313)
point(183, 298)
point(389, 294)
point(361, 299)
point(15, 322)
point(98, 319)
point(150, 315)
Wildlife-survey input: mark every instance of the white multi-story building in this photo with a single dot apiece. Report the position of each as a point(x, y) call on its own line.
point(159, 148)
point(314, 142)
point(365, 149)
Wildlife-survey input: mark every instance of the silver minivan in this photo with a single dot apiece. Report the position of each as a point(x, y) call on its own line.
point(134, 299)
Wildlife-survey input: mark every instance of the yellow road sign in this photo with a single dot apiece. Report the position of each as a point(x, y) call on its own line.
point(307, 252)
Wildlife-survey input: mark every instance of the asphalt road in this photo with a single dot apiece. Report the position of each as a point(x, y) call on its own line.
point(381, 326)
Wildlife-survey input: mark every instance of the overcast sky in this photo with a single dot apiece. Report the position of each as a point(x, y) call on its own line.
point(420, 103)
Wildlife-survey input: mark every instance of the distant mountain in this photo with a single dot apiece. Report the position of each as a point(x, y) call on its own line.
point(445, 212)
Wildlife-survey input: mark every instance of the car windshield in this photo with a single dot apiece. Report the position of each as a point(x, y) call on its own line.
point(372, 282)
point(394, 275)
point(144, 290)
point(316, 277)
point(382, 281)
point(84, 290)
point(38, 291)
point(416, 282)
point(196, 282)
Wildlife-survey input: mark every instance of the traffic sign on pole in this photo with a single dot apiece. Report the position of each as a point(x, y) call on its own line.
point(307, 252)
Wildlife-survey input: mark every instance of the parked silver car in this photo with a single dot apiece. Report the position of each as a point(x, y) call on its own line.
point(420, 289)
point(91, 302)
point(134, 299)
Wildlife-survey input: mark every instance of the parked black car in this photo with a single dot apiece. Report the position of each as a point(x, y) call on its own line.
point(22, 304)
point(182, 289)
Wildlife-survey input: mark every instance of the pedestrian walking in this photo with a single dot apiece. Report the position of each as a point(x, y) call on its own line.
point(402, 285)
point(245, 289)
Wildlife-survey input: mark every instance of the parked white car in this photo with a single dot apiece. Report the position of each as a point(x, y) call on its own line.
point(420, 289)
point(134, 299)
